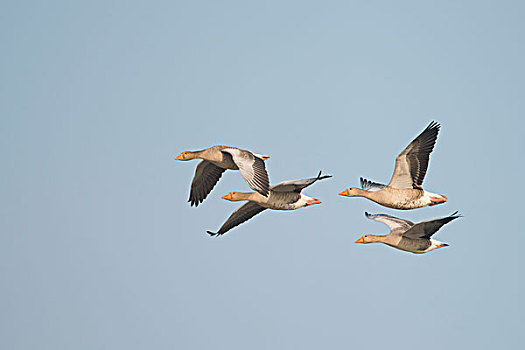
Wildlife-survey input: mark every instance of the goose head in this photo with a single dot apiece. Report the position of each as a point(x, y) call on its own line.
point(236, 196)
point(352, 192)
point(186, 155)
point(367, 238)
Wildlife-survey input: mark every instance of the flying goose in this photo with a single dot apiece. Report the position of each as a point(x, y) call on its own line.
point(407, 236)
point(216, 160)
point(284, 196)
point(405, 189)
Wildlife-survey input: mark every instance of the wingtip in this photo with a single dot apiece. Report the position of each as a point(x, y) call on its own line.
point(194, 202)
point(213, 234)
point(319, 177)
point(434, 125)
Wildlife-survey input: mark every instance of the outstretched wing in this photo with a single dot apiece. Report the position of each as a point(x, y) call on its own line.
point(426, 229)
point(206, 176)
point(412, 163)
point(252, 169)
point(392, 222)
point(245, 212)
point(297, 185)
point(371, 186)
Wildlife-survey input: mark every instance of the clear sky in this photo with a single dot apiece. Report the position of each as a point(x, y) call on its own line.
point(100, 250)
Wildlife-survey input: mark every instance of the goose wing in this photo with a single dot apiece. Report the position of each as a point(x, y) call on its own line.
point(371, 186)
point(297, 185)
point(245, 212)
point(206, 176)
point(426, 229)
point(392, 222)
point(412, 163)
point(252, 169)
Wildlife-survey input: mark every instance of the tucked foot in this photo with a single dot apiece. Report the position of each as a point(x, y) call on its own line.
point(437, 200)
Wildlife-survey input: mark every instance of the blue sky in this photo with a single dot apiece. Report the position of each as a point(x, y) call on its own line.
point(99, 248)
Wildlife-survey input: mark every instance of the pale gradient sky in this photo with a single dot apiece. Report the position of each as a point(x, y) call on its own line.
point(100, 250)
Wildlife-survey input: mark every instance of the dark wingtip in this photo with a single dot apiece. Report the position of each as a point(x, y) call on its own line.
point(213, 234)
point(319, 177)
point(366, 214)
point(194, 202)
point(433, 125)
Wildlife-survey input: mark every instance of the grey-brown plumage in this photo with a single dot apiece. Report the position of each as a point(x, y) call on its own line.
point(296, 186)
point(216, 160)
point(242, 214)
point(284, 196)
point(371, 186)
point(206, 177)
point(425, 229)
point(404, 190)
point(412, 163)
point(407, 236)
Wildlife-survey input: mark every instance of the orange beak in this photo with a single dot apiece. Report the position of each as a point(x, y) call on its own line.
point(313, 201)
point(360, 240)
point(179, 157)
point(344, 193)
point(228, 196)
point(265, 157)
point(442, 245)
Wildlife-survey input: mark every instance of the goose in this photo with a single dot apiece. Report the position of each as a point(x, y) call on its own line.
point(405, 189)
point(216, 160)
point(407, 236)
point(284, 196)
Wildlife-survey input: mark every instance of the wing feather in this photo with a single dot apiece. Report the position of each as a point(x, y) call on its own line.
point(297, 185)
point(206, 177)
point(371, 186)
point(412, 163)
point(392, 222)
point(252, 169)
point(426, 229)
point(244, 213)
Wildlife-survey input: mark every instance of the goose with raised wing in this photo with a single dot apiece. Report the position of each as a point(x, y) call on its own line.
point(405, 189)
point(407, 236)
point(216, 160)
point(284, 196)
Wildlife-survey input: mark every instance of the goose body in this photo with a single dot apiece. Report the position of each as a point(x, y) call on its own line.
point(395, 198)
point(407, 236)
point(275, 200)
point(284, 196)
point(216, 160)
point(405, 189)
